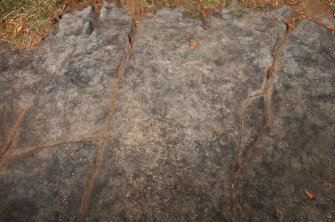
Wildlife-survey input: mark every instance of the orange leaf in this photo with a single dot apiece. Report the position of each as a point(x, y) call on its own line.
point(192, 45)
point(309, 194)
point(205, 27)
point(19, 29)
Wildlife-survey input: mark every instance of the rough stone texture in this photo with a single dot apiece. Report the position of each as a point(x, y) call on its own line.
point(297, 151)
point(77, 101)
point(19, 81)
point(46, 185)
point(197, 127)
point(176, 125)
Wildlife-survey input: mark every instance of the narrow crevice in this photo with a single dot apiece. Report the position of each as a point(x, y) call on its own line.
point(15, 131)
point(321, 23)
point(245, 103)
point(16, 128)
point(266, 93)
point(26, 150)
point(100, 154)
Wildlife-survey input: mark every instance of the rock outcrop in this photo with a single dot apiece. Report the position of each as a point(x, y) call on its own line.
point(171, 119)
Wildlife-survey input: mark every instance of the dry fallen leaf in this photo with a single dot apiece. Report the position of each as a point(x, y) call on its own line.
point(331, 27)
point(19, 29)
point(205, 27)
point(293, 2)
point(275, 4)
point(192, 45)
point(309, 194)
point(35, 42)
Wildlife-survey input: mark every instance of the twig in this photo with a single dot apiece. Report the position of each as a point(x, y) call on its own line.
point(8, 15)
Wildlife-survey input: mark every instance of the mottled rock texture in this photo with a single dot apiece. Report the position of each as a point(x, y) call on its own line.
point(297, 151)
point(171, 119)
point(46, 185)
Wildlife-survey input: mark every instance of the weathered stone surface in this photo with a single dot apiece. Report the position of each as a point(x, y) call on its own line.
point(176, 126)
point(201, 127)
point(77, 101)
point(296, 152)
point(19, 81)
point(47, 185)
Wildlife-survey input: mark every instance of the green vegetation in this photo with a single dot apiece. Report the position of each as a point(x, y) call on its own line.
point(27, 21)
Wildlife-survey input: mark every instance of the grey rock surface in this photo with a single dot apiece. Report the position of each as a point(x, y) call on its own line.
point(297, 151)
point(77, 100)
point(175, 128)
point(19, 82)
point(46, 185)
point(168, 121)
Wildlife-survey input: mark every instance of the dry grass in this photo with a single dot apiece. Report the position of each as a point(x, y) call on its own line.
point(25, 23)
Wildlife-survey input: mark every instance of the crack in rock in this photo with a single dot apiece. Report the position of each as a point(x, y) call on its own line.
point(172, 120)
point(265, 94)
point(25, 150)
point(15, 131)
point(296, 150)
point(99, 158)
